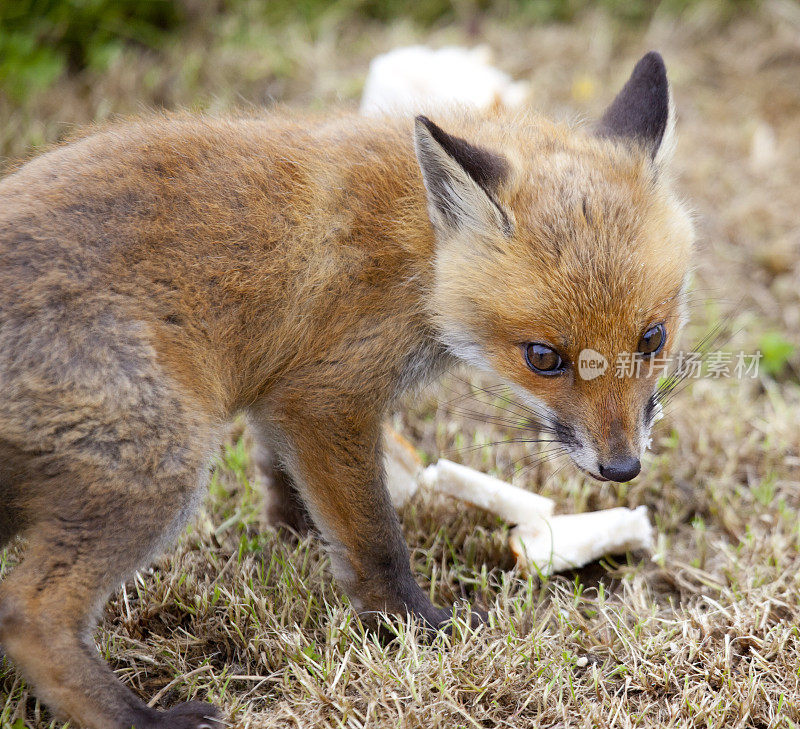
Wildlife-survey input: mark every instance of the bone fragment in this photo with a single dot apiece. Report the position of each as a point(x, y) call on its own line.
point(402, 465)
point(509, 502)
point(416, 79)
point(573, 540)
point(542, 543)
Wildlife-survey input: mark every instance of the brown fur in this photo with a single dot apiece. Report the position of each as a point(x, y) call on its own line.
point(162, 275)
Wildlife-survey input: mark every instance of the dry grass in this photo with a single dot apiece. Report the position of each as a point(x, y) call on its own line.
point(705, 634)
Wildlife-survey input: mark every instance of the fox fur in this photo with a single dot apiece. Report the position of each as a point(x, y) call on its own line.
point(159, 276)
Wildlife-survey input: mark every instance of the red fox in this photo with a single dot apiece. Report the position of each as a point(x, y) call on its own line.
point(160, 276)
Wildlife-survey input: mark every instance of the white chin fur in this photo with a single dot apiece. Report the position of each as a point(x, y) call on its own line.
point(647, 439)
point(585, 459)
point(467, 350)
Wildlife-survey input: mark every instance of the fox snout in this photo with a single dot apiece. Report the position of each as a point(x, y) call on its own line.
point(618, 460)
point(621, 469)
point(613, 456)
point(604, 431)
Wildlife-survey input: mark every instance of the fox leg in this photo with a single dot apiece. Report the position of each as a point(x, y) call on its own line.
point(285, 506)
point(7, 525)
point(337, 467)
point(77, 554)
point(12, 517)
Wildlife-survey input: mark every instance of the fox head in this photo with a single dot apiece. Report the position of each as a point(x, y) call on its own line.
point(561, 264)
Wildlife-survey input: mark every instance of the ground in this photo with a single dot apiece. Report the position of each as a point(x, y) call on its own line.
point(704, 633)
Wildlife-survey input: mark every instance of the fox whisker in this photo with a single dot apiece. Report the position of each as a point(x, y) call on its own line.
point(478, 446)
point(679, 378)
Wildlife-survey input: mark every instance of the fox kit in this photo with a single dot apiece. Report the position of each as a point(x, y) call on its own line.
point(160, 276)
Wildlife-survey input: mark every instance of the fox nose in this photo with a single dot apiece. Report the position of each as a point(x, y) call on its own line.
point(621, 469)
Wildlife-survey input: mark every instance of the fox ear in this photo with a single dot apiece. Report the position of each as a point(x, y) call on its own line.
point(642, 111)
point(461, 180)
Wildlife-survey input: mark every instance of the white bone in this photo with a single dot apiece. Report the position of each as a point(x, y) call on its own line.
point(573, 540)
point(542, 543)
point(417, 79)
point(402, 466)
point(510, 503)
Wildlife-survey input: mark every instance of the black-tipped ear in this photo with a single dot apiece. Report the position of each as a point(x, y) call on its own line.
point(641, 110)
point(461, 180)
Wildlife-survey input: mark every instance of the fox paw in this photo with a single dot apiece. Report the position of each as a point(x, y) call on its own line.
point(440, 620)
point(191, 715)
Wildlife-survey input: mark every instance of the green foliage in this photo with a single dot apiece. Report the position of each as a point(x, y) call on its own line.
point(427, 12)
point(40, 39)
point(25, 65)
point(776, 351)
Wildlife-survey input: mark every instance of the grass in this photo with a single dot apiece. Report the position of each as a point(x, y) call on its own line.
point(703, 634)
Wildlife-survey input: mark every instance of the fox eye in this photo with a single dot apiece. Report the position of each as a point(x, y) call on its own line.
point(653, 340)
point(543, 360)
